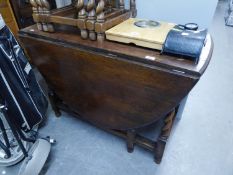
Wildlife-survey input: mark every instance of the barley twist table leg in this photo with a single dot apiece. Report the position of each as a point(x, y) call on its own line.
point(163, 137)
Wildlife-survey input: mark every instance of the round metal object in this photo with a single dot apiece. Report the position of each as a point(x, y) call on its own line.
point(147, 24)
point(189, 26)
point(16, 152)
point(36, 159)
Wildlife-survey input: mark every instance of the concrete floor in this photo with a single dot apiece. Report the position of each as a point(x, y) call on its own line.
point(201, 143)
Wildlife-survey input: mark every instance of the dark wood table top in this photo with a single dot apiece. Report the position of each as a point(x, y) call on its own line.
point(70, 36)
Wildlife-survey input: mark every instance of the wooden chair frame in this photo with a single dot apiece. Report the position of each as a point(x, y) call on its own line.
point(93, 18)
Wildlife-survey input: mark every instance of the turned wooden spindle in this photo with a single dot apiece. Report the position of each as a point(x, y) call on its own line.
point(91, 19)
point(108, 6)
point(76, 11)
point(80, 6)
point(163, 137)
point(35, 14)
point(82, 15)
point(133, 8)
point(167, 126)
point(41, 15)
point(100, 18)
point(122, 4)
point(46, 10)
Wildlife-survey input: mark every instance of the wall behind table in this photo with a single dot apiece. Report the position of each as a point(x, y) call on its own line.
point(62, 3)
point(178, 11)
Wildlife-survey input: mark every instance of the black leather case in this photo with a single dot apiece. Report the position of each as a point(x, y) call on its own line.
point(185, 43)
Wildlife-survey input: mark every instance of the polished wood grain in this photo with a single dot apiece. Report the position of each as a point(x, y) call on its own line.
point(91, 19)
point(178, 65)
point(120, 88)
point(163, 137)
point(111, 85)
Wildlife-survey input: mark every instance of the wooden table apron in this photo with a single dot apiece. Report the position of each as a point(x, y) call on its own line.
point(105, 83)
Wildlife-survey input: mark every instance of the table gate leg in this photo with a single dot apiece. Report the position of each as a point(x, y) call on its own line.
point(53, 102)
point(162, 140)
point(131, 140)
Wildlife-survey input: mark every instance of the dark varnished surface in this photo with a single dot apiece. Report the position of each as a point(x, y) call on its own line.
point(70, 35)
point(111, 85)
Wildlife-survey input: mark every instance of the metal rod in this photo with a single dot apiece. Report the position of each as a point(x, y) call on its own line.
point(6, 150)
point(14, 131)
point(4, 134)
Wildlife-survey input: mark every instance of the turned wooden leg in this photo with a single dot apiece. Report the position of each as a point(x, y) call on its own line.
point(82, 16)
point(109, 6)
point(91, 19)
point(100, 20)
point(84, 34)
point(122, 4)
point(35, 14)
point(100, 37)
point(163, 137)
point(53, 102)
point(130, 140)
point(41, 24)
point(46, 11)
